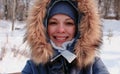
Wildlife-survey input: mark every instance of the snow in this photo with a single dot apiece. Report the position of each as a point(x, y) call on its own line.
point(12, 41)
point(111, 54)
point(110, 50)
point(11, 64)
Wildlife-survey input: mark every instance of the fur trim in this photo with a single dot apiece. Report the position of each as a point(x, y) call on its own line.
point(91, 34)
point(85, 47)
point(41, 51)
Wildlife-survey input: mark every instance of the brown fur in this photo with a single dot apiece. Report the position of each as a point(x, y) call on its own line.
point(85, 48)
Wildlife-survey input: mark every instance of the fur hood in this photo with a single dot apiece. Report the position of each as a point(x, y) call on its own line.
point(87, 44)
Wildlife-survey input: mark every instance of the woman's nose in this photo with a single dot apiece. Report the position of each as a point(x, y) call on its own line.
point(61, 29)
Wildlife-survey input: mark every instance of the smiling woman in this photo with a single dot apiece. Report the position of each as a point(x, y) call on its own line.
point(64, 36)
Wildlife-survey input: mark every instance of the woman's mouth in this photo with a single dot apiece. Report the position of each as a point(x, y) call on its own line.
point(60, 39)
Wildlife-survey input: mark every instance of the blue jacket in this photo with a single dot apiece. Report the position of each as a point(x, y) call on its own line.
point(95, 68)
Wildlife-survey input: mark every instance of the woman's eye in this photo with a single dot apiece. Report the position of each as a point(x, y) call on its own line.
point(52, 23)
point(69, 23)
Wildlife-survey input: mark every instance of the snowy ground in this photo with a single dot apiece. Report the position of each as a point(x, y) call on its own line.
point(110, 51)
point(12, 41)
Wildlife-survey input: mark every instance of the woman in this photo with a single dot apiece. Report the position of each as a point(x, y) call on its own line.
point(64, 36)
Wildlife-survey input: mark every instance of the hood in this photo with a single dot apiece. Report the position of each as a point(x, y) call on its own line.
point(86, 46)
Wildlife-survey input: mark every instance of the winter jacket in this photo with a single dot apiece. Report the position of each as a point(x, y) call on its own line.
point(85, 47)
point(97, 67)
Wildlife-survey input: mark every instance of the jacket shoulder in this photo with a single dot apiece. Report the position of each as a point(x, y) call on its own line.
point(32, 68)
point(99, 67)
point(29, 68)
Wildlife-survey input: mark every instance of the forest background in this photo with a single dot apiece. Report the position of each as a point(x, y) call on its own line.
point(18, 9)
point(13, 14)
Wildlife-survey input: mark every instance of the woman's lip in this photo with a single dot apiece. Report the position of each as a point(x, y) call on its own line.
point(60, 38)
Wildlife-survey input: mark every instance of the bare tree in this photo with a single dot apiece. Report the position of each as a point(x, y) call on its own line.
point(27, 7)
point(1, 9)
point(13, 18)
point(117, 9)
point(20, 10)
point(5, 9)
point(107, 4)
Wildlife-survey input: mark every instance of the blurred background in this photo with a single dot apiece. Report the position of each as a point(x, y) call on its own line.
point(14, 53)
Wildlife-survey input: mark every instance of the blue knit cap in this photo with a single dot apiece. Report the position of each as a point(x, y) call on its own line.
point(63, 7)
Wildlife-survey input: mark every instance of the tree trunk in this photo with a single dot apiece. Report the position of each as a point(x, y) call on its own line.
point(5, 9)
point(117, 9)
point(13, 18)
point(107, 5)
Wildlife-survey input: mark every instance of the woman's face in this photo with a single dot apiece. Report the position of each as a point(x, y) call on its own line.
point(61, 28)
